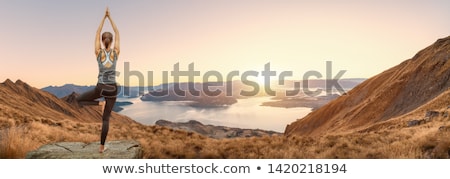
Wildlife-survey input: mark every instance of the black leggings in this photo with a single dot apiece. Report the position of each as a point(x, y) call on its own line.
point(109, 92)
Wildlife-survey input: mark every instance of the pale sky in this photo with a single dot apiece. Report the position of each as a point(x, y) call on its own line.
point(51, 42)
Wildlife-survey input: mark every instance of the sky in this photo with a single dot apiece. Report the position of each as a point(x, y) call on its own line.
point(51, 42)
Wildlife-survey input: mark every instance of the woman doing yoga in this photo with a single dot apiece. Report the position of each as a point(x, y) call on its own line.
point(106, 85)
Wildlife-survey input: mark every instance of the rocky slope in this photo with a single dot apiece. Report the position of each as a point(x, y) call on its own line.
point(20, 103)
point(393, 93)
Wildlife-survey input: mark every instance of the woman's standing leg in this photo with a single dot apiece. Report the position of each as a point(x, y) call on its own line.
point(106, 115)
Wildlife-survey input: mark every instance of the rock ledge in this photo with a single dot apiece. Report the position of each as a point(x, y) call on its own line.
point(80, 150)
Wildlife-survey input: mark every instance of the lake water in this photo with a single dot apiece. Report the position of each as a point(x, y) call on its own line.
point(246, 113)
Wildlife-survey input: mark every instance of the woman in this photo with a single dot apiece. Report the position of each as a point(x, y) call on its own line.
point(106, 86)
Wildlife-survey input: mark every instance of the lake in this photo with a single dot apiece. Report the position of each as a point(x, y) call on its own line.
point(246, 113)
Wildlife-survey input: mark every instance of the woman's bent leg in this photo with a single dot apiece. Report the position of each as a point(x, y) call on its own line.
point(89, 97)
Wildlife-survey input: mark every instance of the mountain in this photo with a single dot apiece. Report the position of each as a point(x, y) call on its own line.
point(30, 118)
point(383, 117)
point(392, 93)
point(22, 103)
point(236, 87)
point(67, 89)
point(345, 83)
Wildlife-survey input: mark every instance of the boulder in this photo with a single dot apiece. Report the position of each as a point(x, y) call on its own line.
point(80, 150)
point(432, 114)
point(416, 122)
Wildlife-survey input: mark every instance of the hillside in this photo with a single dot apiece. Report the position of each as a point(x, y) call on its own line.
point(370, 121)
point(393, 93)
point(30, 118)
point(21, 103)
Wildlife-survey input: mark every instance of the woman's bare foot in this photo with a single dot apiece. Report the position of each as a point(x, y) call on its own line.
point(102, 149)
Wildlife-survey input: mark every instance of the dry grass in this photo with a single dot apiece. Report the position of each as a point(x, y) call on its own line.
point(368, 122)
point(16, 141)
point(11, 145)
point(383, 141)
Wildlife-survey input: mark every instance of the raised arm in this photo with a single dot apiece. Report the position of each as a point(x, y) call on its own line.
point(98, 43)
point(116, 34)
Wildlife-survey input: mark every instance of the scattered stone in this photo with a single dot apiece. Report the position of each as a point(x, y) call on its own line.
point(80, 150)
point(444, 128)
point(445, 114)
point(416, 122)
point(432, 114)
point(413, 123)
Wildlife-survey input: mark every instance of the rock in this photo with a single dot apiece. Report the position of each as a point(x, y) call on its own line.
point(432, 114)
point(163, 122)
point(444, 128)
point(416, 122)
point(80, 150)
point(445, 114)
point(413, 123)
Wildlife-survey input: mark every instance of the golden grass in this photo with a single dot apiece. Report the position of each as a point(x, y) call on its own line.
point(424, 141)
point(11, 145)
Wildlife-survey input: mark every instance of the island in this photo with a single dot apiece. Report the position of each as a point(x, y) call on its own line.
point(308, 102)
point(118, 105)
point(217, 132)
point(201, 100)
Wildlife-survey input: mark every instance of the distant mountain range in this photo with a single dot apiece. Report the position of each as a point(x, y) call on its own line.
point(67, 89)
point(237, 87)
point(346, 83)
point(229, 92)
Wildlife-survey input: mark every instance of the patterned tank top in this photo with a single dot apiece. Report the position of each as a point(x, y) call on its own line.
point(107, 66)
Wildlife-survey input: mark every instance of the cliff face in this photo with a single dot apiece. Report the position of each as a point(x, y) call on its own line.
point(392, 93)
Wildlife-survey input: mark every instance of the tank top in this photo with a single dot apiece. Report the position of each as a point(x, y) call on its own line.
point(107, 67)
